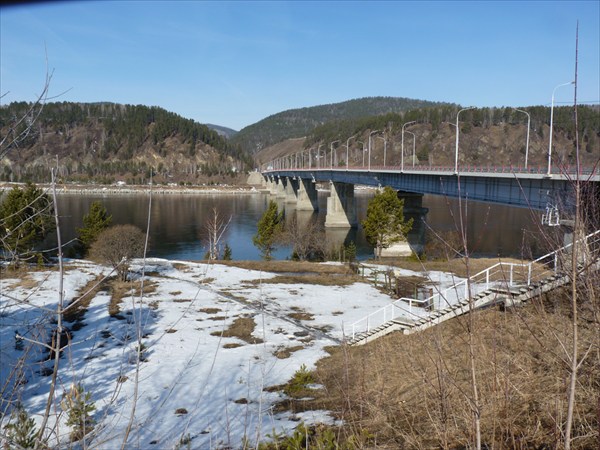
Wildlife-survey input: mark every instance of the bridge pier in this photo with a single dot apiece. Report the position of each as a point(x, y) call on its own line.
point(341, 210)
point(291, 190)
point(280, 188)
point(271, 185)
point(307, 199)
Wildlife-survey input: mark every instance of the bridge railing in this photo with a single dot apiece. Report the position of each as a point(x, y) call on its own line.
point(540, 170)
point(501, 276)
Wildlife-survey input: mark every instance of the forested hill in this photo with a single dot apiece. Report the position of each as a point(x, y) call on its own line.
point(488, 136)
point(296, 123)
point(105, 142)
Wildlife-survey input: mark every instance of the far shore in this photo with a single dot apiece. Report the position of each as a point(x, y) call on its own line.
point(115, 189)
point(125, 189)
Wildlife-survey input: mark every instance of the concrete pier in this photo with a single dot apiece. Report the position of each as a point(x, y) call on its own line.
point(307, 199)
point(291, 190)
point(341, 210)
point(280, 188)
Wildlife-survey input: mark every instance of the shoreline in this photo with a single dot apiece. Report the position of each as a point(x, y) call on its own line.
point(76, 189)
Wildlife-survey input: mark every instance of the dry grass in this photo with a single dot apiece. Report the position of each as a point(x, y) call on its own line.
point(241, 328)
point(322, 279)
point(83, 299)
point(456, 266)
point(286, 352)
point(289, 266)
point(209, 310)
point(25, 281)
point(299, 314)
point(121, 289)
point(414, 391)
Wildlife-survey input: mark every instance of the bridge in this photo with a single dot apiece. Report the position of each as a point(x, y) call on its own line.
point(535, 188)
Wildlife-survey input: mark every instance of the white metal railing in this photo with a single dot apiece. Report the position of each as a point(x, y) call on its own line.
point(501, 275)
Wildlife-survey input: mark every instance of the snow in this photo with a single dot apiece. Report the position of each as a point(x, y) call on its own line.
point(187, 362)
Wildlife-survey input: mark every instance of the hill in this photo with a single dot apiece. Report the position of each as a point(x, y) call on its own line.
point(488, 136)
point(223, 131)
point(296, 123)
point(105, 142)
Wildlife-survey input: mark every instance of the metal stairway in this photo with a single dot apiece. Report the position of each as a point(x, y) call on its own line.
point(482, 291)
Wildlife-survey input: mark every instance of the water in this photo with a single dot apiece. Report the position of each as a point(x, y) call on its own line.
point(177, 222)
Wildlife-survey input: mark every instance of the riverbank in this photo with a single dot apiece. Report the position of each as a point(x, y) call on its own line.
point(141, 190)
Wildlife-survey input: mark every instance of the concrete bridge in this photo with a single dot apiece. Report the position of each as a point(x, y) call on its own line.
point(531, 188)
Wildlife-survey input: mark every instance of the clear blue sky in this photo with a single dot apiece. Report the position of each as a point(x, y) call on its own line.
point(235, 63)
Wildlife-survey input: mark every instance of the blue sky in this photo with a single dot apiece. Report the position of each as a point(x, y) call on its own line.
point(235, 63)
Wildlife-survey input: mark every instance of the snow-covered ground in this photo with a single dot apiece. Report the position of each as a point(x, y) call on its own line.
point(188, 365)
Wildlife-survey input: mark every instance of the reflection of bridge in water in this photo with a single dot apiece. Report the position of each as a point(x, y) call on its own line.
point(533, 188)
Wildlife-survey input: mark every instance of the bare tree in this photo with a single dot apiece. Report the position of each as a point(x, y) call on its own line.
point(117, 245)
point(214, 229)
point(307, 240)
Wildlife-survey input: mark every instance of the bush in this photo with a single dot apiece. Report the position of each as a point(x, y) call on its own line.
point(117, 245)
point(78, 405)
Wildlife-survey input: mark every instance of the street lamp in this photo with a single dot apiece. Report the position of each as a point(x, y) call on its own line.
point(527, 144)
point(319, 155)
point(348, 149)
point(384, 147)
point(363, 151)
point(331, 147)
point(414, 140)
point(457, 133)
point(551, 119)
point(371, 134)
point(402, 158)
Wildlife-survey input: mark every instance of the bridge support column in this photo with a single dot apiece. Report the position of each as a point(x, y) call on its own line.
point(280, 188)
point(307, 195)
point(271, 186)
point(341, 211)
point(413, 209)
point(291, 190)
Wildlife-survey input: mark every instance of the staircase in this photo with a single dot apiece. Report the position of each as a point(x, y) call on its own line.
point(509, 284)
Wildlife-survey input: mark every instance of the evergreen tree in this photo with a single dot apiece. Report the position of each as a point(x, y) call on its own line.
point(385, 222)
point(270, 226)
point(227, 253)
point(21, 431)
point(26, 218)
point(95, 221)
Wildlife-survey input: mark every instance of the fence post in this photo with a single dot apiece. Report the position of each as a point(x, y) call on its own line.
point(529, 274)
point(511, 274)
point(487, 278)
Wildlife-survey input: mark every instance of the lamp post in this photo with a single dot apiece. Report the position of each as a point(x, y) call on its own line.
point(414, 140)
point(402, 158)
point(319, 155)
point(551, 119)
point(348, 150)
point(457, 133)
point(371, 134)
point(528, 126)
point(384, 148)
point(331, 147)
point(363, 151)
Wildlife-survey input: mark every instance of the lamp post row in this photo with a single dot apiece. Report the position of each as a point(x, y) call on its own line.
point(281, 162)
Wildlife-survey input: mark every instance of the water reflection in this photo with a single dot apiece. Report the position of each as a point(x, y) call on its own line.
point(177, 222)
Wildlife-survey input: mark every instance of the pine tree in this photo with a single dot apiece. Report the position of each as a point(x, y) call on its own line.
point(95, 221)
point(385, 222)
point(79, 405)
point(227, 253)
point(22, 431)
point(26, 218)
point(270, 226)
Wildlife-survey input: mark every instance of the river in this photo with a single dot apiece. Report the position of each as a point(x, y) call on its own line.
point(177, 222)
